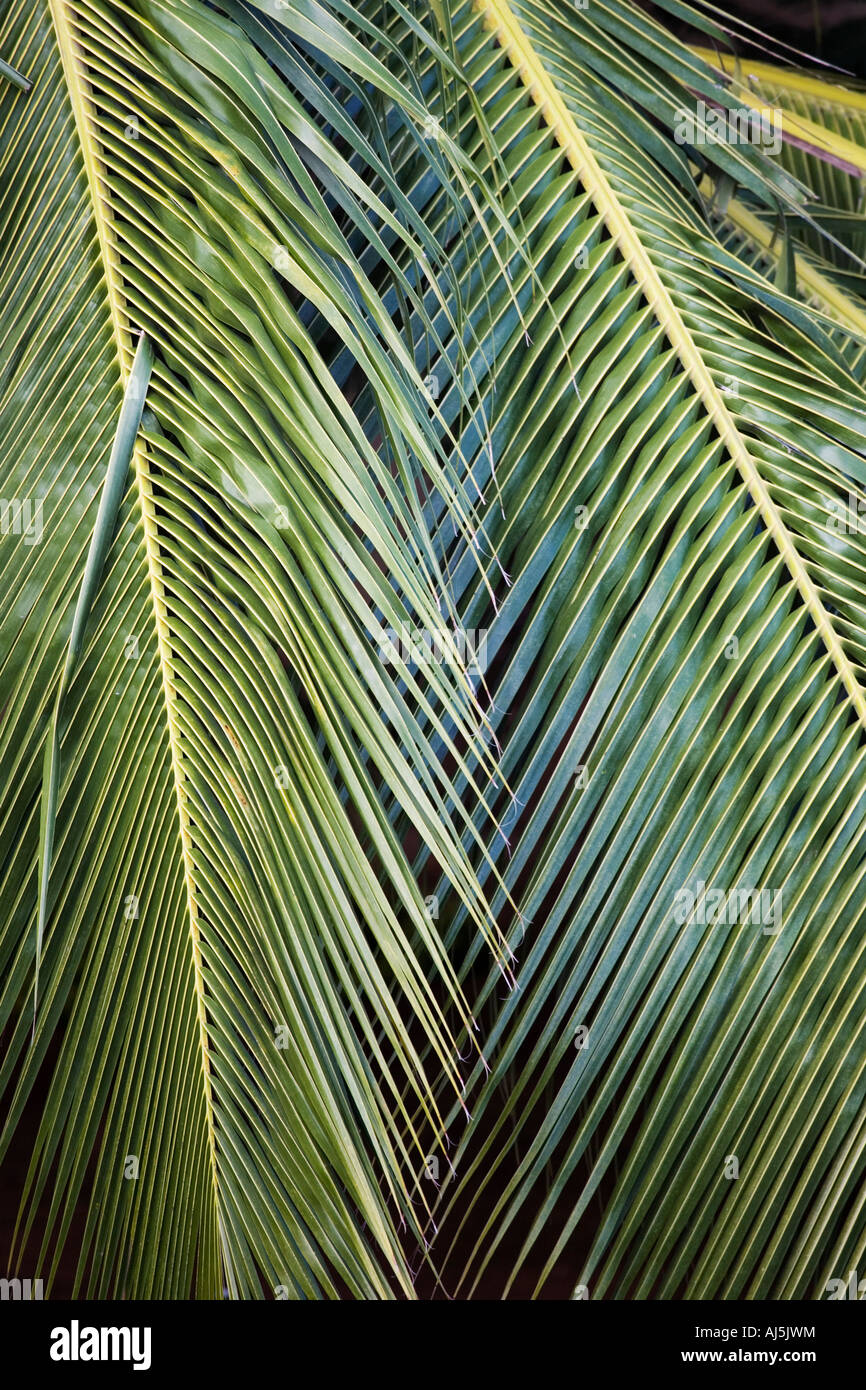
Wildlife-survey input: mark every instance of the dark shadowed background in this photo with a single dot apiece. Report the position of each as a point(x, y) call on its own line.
point(831, 30)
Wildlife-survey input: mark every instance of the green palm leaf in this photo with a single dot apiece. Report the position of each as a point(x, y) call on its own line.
point(828, 251)
point(236, 947)
point(681, 499)
point(451, 334)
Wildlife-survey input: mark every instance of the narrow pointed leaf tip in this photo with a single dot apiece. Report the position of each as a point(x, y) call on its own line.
point(113, 490)
point(15, 77)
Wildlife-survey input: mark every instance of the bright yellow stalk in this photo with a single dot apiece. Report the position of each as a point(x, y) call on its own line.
point(835, 302)
point(824, 141)
point(78, 86)
point(501, 21)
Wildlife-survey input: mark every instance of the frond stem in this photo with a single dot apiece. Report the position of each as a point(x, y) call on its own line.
point(500, 19)
point(80, 94)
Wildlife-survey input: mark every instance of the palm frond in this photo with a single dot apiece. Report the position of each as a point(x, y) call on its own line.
point(226, 890)
point(453, 335)
point(679, 694)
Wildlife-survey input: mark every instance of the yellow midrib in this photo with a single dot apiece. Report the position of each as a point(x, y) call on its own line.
point(814, 136)
point(499, 18)
point(78, 87)
point(834, 301)
point(775, 76)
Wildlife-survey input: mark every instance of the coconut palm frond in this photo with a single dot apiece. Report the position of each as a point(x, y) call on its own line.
point(462, 778)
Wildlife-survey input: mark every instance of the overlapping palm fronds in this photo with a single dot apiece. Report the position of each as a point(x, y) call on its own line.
point(452, 335)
